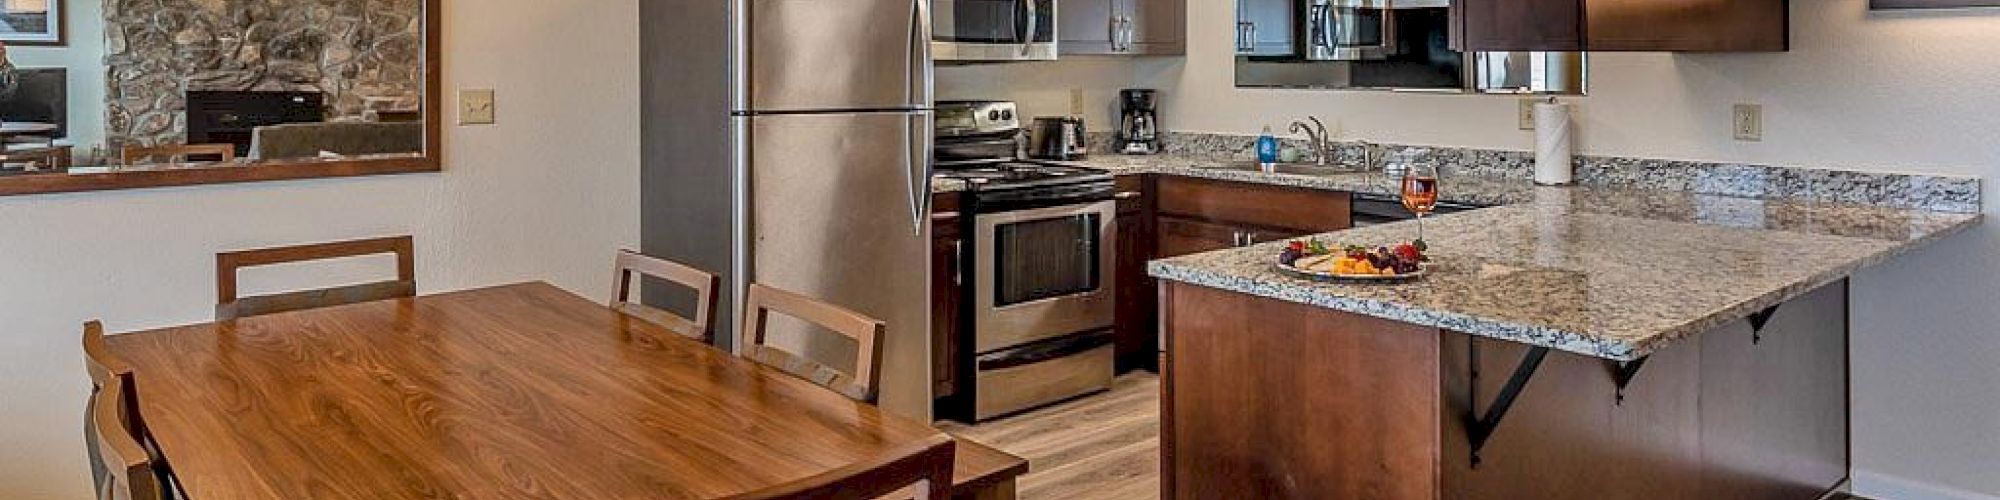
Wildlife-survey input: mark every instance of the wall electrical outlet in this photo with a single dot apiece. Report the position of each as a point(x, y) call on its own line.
point(1076, 102)
point(475, 107)
point(1528, 113)
point(1748, 122)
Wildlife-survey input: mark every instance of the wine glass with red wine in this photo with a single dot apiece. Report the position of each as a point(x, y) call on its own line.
point(1420, 191)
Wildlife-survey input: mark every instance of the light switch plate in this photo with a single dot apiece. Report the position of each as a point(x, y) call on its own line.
point(1528, 112)
point(1747, 122)
point(475, 107)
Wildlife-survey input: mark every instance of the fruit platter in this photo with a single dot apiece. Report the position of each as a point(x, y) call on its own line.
point(1316, 260)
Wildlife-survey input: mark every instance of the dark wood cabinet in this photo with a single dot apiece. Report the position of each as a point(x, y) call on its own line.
point(1134, 331)
point(1621, 25)
point(1201, 215)
point(1123, 27)
point(947, 299)
point(1178, 236)
point(1254, 387)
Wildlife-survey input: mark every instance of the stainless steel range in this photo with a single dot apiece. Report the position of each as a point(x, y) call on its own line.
point(1042, 240)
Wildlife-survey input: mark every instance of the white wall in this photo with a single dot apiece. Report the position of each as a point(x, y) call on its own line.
point(84, 56)
point(548, 194)
point(1908, 92)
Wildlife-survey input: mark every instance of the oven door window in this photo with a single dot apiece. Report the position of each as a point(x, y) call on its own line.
point(1045, 258)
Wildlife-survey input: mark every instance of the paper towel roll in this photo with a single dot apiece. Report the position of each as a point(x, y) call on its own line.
point(1553, 147)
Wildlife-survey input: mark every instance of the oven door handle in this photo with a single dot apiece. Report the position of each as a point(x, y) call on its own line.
point(1043, 351)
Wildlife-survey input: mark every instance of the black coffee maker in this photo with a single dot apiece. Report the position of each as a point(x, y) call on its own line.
point(1139, 128)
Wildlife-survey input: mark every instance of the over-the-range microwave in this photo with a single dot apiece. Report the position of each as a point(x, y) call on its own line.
point(993, 30)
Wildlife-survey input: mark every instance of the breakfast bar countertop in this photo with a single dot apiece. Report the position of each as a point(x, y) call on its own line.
point(1613, 273)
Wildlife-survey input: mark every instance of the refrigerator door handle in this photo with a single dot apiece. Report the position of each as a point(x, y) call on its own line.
point(922, 84)
point(919, 171)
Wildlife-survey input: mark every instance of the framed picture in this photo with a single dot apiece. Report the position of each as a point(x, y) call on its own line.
point(1930, 4)
point(31, 22)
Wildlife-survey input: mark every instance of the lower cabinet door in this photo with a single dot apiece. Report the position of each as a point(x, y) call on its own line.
point(1179, 237)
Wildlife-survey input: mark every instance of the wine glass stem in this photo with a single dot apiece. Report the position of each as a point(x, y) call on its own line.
point(1420, 226)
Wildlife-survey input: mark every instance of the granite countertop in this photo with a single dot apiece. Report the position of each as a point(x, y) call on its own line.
point(1606, 272)
point(1470, 190)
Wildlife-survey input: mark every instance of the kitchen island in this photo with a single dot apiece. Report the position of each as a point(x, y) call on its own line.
point(1574, 343)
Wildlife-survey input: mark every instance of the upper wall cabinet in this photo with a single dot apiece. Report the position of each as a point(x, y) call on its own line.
point(1621, 25)
point(1123, 27)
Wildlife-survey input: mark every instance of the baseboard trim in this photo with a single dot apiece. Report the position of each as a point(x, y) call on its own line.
point(1889, 487)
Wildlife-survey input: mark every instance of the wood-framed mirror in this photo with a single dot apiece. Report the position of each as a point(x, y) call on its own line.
point(154, 93)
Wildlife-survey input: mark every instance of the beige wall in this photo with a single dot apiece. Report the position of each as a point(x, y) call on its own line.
point(1887, 92)
point(548, 194)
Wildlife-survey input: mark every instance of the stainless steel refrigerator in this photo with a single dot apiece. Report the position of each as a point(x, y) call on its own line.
point(787, 142)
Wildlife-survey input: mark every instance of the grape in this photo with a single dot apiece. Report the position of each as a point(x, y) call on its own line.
point(1290, 256)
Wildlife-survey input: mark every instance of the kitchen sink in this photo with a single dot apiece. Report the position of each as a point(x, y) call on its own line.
point(1294, 168)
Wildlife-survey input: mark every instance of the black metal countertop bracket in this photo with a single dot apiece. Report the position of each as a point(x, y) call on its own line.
point(1758, 320)
point(1479, 428)
point(1623, 372)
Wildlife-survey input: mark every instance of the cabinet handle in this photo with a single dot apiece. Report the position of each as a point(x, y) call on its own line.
point(1115, 22)
point(1118, 35)
point(1127, 195)
point(1126, 37)
point(958, 262)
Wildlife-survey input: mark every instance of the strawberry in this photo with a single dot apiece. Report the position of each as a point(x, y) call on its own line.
point(1296, 246)
point(1409, 253)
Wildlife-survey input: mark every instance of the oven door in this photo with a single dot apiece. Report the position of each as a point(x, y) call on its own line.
point(1042, 273)
point(993, 30)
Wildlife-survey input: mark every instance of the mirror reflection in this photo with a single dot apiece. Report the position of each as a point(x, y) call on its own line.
point(1400, 45)
point(148, 84)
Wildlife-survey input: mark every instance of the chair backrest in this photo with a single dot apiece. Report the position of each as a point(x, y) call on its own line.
point(926, 464)
point(97, 358)
point(229, 306)
point(42, 158)
point(132, 154)
point(127, 469)
point(862, 385)
point(700, 328)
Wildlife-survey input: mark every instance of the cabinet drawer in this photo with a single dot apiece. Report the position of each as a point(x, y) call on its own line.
point(1179, 237)
point(1302, 210)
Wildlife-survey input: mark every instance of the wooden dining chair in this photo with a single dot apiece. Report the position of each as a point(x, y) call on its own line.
point(131, 155)
point(862, 385)
point(37, 159)
point(704, 284)
point(128, 471)
point(229, 306)
point(923, 468)
point(121, 464)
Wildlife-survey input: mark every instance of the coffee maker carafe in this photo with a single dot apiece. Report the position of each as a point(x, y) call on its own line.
point(1139, 129)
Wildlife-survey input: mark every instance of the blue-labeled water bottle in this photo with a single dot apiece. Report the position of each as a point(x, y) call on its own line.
point(1267, 151)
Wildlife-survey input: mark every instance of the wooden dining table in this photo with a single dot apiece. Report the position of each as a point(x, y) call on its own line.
point(517, 391)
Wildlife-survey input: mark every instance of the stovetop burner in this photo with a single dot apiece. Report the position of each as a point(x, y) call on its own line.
point(1023, 174)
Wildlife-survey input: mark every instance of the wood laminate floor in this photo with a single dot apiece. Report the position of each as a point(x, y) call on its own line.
point(1105, 446)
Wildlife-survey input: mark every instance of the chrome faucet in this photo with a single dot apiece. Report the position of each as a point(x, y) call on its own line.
point(1371, 156)
point(1317, 132)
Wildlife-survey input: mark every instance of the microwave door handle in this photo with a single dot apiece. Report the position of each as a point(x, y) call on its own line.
point(1028, 31)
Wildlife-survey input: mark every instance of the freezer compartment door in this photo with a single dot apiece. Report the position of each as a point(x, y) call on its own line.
point(808, 55)
point(838, 215)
